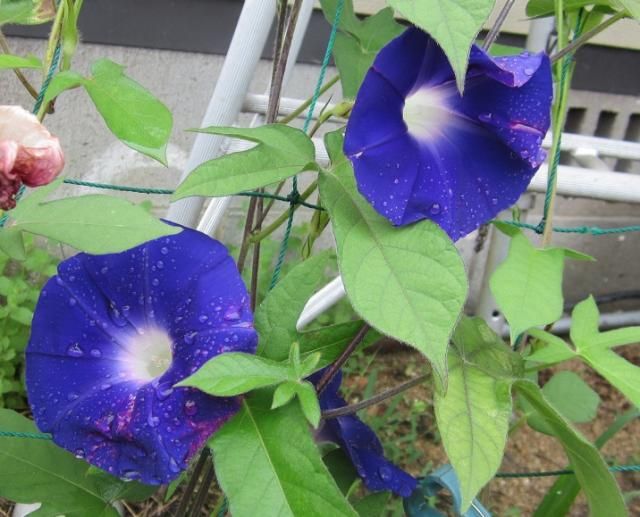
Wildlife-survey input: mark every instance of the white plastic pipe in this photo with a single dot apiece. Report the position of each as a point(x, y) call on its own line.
point(214, 214)
point(229, 93)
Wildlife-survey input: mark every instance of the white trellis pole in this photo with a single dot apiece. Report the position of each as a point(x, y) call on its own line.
point(229, 93)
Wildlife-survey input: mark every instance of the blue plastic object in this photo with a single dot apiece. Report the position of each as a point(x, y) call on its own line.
point(417, 505)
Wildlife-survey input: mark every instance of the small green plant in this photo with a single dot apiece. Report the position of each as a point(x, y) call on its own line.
point(20, 286)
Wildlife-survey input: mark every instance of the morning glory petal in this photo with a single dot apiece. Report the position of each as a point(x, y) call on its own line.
point(113, 334)
point(467, 157)
point(361, 445)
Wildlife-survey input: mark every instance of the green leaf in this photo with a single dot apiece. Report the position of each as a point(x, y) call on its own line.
point(26, 12)
point(372, 505)
point(283, 394)
point(631, 6)
point(559, 498)
point(454, 24)
point(307, 397)
point(61, 82)
point(11, 243)
point(540, 8)
point(235, 373)
point(358, 41)
point(330, 341)
point(282, 151)
point(276, 317)
point(9, 61)
point(528, 285)
point(93, 223)
point(592, 472)
point(595, 348)
point(555, 349)
point(39, 471)
point(341, 468)
point(174, 485)
point(571, 397)
point(268, 464)
point(130, 111)
point(473, 414)
point(409, 282)
point(309, 402)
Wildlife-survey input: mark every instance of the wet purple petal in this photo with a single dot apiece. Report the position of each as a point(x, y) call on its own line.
point(361, 445)
point(112, 335)
point(457, 160)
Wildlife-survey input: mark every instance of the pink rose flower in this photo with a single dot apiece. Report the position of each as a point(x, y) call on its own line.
point(29, 154)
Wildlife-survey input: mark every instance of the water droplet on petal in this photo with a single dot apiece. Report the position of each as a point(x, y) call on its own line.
point(74, 350)
point(164, 250)
point(173, 465)
point(385, 473)
point(72, 396)
point(485, 117)
point(94, 352)
point(72, 302)
point(435, 209)
point(155, 282)
point(202, 318)
point(190, 408)
point(189, 337)
point(232, 314)
point(529, 71)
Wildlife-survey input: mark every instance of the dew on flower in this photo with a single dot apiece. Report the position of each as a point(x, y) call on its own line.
point(112, 367)
point(409, 112)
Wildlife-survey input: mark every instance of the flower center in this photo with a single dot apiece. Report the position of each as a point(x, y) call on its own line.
point(425, 113)
point(149, 354)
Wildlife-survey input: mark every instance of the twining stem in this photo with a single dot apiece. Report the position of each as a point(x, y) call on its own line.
point(376, 399)
point(559, 112)
point(191, 485)
point(331, 372)
point(201, 496)
point(283, 45)
point(282, 218)
point(300, 109)
point(54, 37)
point(495, 30)
point(281, 55)
point(4, 45)
point(578, 42)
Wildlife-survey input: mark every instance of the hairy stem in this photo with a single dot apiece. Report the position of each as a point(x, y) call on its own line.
point(300, 109)
point(339, 362)
point(578, 42)
point(4, 45)
point(376, 399)
point(559, 112)
point(495, 30)
point(54, 37)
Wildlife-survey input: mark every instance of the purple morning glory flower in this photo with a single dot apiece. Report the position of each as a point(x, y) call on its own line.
point(361, 444)
point(113, 334)
point(422, 151)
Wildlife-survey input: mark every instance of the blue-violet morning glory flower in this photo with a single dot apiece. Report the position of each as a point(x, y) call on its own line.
point(112, 335)
point(360, 444)
point(422, 151)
